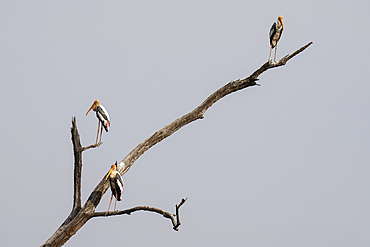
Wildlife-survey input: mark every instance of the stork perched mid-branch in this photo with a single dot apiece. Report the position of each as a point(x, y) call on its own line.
point(103, 118)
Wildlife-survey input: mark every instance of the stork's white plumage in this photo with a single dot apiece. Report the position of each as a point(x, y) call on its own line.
point(103, 118)
point(116, 185)
point(275, 34)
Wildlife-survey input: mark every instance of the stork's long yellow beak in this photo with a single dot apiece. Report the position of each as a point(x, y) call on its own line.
point(109, 173)
point(90, 108)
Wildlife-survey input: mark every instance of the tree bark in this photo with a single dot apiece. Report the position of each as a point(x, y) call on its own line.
point(79, 216)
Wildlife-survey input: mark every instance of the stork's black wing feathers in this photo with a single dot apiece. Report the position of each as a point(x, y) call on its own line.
point(272, 32)
point(100, 111)
point(118, 184)
point(120, 179)
point(101, 114)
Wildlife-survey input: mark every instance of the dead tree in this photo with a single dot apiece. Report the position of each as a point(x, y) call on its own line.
point(80, 215)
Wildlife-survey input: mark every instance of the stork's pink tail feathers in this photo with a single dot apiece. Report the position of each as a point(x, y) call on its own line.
point(106, 125)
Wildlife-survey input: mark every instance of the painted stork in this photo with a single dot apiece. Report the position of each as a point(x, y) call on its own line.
point(275, 34)
point(116, 185)
point(103, 118)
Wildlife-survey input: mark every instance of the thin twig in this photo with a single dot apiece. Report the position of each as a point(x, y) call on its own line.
point(92, 146)
point(175, 227)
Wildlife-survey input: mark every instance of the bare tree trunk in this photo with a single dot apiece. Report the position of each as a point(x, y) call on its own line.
point(79, 216)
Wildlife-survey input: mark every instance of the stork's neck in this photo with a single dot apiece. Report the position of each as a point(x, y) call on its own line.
point(279, 26)
point(113, 174)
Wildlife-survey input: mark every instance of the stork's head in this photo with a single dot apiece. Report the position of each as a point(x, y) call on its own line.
point(112, 168)
point(93, 106)
point(280, 19)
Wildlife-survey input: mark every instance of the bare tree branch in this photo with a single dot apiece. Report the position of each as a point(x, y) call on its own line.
point(77, 151)
point(70, 227)
point(175, 222)
point(198, 112)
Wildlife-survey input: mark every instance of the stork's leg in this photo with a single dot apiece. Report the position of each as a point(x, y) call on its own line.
point(110, 202)
point(275, 51)
point(115, 204)
point(270, 52)
point(101, 131)
point(97, 133)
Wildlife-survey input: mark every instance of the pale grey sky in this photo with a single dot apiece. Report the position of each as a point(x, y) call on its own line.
point(284, 164)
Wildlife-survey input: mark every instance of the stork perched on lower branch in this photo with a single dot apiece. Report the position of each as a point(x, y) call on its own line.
point(116, 185)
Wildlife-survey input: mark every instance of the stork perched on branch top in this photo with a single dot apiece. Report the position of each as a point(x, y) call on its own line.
point(275, 34)
point(116, 185)
point(103, 118)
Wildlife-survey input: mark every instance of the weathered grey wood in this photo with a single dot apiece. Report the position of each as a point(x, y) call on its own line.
point(77, 152)
point(198, 112)
point(70, 227)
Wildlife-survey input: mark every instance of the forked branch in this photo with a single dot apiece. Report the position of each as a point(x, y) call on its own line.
point(77, 152)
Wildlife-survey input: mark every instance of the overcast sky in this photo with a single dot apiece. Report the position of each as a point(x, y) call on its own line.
point(284, 164)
